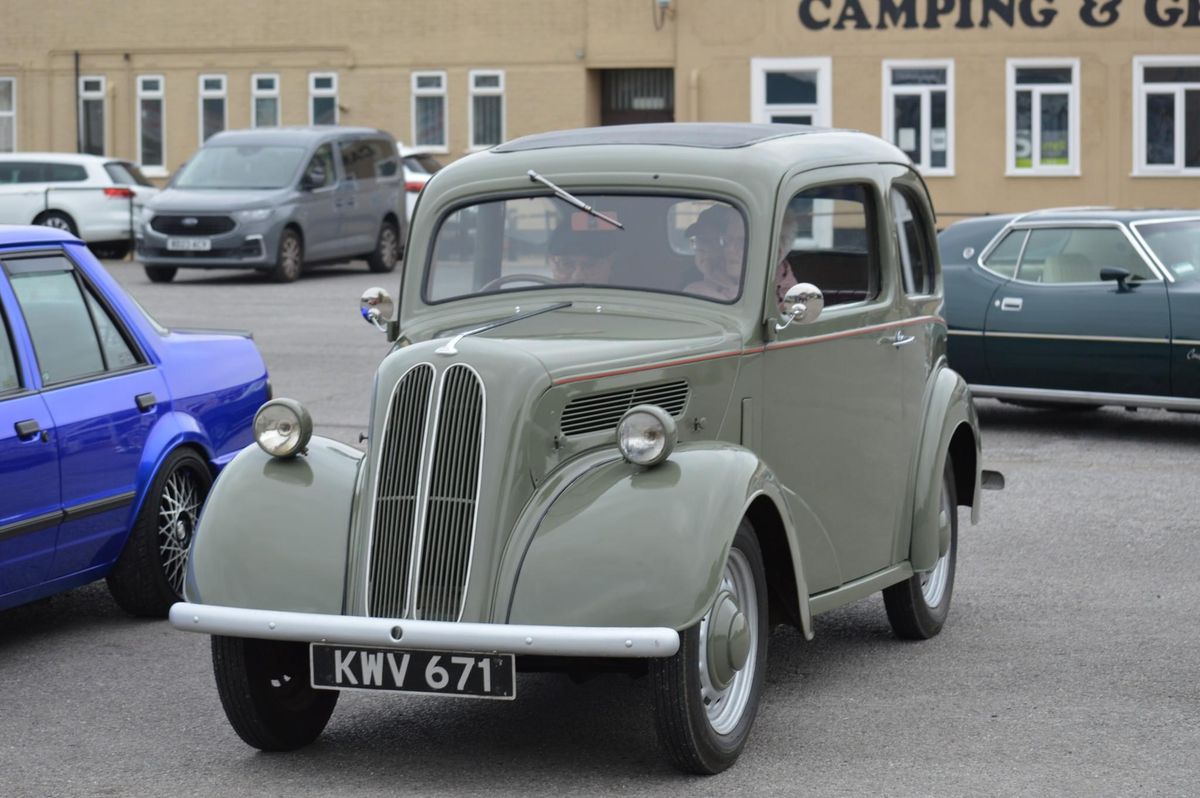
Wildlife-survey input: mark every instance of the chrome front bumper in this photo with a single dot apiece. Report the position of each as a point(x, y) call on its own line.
point(308, 627)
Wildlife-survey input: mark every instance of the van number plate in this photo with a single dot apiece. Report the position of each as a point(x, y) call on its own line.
point(189, 244)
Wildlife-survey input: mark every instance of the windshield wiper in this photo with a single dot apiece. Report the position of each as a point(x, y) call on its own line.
point(449, 348)
point(572, 199)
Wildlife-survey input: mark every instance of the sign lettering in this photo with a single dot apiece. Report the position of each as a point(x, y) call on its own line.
point(965, 14)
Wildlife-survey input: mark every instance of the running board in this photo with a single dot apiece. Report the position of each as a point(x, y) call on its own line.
point(1085, 398)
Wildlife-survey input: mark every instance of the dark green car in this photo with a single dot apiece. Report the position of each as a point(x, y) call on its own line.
point(653, 390)
point(1077, 308)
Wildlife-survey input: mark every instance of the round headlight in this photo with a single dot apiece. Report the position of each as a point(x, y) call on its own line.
point(282, 427)
point(646, 435)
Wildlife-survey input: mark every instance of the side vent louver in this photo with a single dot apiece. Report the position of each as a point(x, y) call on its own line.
point(601, 411)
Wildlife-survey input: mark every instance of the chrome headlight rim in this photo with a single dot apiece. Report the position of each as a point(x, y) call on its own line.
point(282, 428)
point(646, 435)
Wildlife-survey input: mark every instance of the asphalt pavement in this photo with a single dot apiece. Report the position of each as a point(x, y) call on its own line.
point(1070, 665)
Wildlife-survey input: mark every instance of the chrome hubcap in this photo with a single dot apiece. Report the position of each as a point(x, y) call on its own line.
point(57, 222)
point(933, 582)
point(729, 646)
point(177, 515)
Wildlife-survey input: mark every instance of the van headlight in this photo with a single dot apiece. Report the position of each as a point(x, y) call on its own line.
point(253, 214)
point(646, 435)
point(282, 427)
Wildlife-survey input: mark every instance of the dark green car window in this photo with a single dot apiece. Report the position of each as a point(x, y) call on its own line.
point(1003, 259)
point(1077, 254)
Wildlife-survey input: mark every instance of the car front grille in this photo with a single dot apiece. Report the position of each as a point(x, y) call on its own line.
point(191, 224)
point(602, 411)
point(423, 529)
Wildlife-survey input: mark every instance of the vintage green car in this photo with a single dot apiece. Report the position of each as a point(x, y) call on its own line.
point(653, 390)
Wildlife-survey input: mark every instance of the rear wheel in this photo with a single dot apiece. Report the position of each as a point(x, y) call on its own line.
point(387, 249)
point(290, 260)
point(160, 274)
point(58, 220)
point(706, 695)
point(265, 690)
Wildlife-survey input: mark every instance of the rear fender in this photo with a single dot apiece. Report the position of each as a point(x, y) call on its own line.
point(274, 532)
point(627, 546)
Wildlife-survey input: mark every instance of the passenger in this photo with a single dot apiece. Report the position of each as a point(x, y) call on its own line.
point(581, 256)
point(785, 276)
point(719, 240)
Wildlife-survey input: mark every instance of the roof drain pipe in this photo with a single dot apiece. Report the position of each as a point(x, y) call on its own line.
point(694, 94)
point(78, 111)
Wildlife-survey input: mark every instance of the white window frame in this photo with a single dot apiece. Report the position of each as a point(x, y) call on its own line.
point(314, 92)
point(1140, 90)
point(257, 94)
point(100, 94)
point(890, 92)
point(1072, 169)
point(13, 113)
point(151, 170)
point(221, 94)
point(444, 147)
point(488, 91)
point(821, 111)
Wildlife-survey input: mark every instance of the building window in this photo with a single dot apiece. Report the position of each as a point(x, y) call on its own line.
point(791, 90)
point(212, 105)
point(322, 98)
point(264, 100)
point(918, 112)
point(1043, 116)
point(487, 108)
point(91, 114)
point(1166, 114)
point(429, 110)
point(8, 114)
point(150, 121)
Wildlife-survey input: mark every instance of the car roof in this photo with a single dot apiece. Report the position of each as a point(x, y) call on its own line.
point(291, 135)
point(708, 135)
point(19, 234)
point(1105, 214)
point(60, 157)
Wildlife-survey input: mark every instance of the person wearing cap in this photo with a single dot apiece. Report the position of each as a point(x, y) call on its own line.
point(785, 277)
point(719, 239)
point(581, 256)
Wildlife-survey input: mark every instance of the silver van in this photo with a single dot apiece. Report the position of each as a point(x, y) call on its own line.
point(278, 200)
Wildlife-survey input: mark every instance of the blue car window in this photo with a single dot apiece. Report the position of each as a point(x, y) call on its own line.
point(9, 380)
point(64, 338)
point(117, 354)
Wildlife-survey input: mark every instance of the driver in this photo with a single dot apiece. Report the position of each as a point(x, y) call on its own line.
point(581, 256)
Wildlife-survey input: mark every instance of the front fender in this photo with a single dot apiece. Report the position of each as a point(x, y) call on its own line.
point(627, 546)
point(949, 415)
point(274, 532)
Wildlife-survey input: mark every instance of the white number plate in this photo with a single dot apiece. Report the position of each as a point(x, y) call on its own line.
point(390, 670)
point(189, 244)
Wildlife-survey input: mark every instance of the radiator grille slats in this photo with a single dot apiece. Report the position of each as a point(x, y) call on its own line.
point(397, 496)
point(602, 411)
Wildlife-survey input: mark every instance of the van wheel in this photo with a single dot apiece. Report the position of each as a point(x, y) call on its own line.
point(290, 261)
point(160, 274)
point(59, 221)
point(387, 249)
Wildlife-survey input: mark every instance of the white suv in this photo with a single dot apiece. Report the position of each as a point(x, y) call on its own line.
point(98, 199)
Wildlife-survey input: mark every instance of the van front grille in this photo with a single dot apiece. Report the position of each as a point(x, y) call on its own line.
point(191, 225)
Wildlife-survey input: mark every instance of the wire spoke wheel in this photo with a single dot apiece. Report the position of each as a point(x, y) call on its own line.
point(178, 512)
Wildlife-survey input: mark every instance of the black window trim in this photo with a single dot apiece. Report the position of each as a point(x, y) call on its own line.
point(930, 246)
point(22, 389)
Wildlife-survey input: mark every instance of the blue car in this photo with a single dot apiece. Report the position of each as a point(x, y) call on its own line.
point(112, 428)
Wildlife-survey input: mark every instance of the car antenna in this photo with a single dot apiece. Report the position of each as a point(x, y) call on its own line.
point(572, 199)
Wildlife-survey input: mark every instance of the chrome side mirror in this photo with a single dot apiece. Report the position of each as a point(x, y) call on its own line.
point(377, 307)
point(804, 303)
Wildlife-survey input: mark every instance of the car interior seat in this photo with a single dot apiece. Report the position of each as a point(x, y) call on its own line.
point(1069, 267)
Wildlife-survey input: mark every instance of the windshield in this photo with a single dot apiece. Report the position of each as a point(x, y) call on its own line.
point(421, 164)
point(244, 166)
point(1175, 244)
point(678, 245)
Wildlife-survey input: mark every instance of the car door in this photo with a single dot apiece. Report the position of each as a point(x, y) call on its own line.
point(1058, 326)
point(357, 198)
point(103, 396)
point(832, 417)
point(30, 506)
point(317, 205)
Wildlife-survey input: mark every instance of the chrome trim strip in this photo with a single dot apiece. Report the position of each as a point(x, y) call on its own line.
point(1133, 226)
point(1185, 342)
point(422, 498)
point(1085, 397)
point(1059, 337)
point(308, 627)
point(1019, 223)
point(478, 487)
point(979, 333)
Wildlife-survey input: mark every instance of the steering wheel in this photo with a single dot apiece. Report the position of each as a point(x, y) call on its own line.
point(512, 278)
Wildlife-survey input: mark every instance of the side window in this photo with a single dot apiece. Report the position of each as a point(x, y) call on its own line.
point(22, 172)
point(358, 159)
point(1003, 259)
point(9, 381)
point(912, 237)
point(322, 166)
point(1076, 255)
point(386, 159)
point(65, 173)
point(73, 335)
point(827, 238)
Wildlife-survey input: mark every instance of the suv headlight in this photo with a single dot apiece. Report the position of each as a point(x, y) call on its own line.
point(253, 214)
point(282, 427)
point(646, 435)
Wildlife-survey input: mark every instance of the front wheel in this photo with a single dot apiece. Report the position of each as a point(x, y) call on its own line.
point(918, 606)
point(160, 274)
point(707, 694)
point(265, 690)
point(290, 260)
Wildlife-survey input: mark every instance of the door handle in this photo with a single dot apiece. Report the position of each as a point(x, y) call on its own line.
point(1011, 303)
point(145, 401)
point(898, 340)
point(29, 429)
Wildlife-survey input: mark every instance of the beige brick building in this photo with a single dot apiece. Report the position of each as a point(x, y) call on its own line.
point(1006, 104)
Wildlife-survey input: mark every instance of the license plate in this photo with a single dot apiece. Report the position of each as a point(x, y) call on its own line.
point(189, 244)
point(435, 672)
